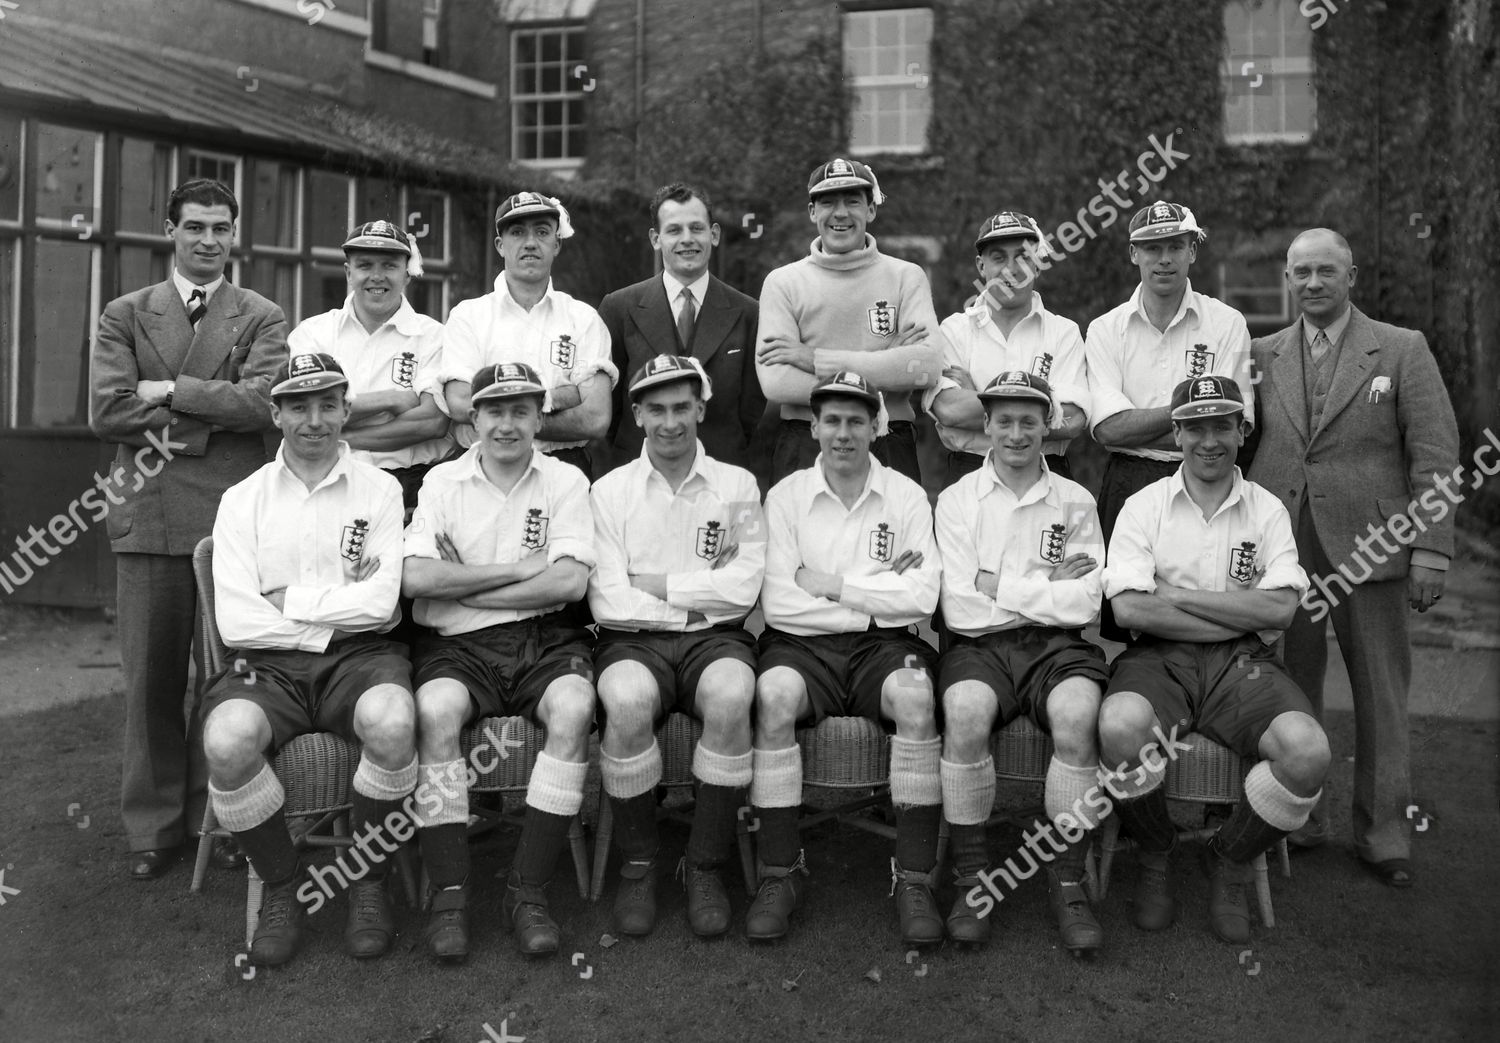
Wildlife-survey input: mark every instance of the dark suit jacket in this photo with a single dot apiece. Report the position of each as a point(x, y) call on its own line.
point(639, 320)
point(215, 430)
point(1369, 460)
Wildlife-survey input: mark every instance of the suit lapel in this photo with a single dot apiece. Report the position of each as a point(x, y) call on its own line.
point(1291, 386)
point(168, 332)
point(216, 335)
point(1356, 360)
point(715, 321)
point(653, 317)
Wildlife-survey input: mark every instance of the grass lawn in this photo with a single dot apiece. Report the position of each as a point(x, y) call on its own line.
point(87, 955)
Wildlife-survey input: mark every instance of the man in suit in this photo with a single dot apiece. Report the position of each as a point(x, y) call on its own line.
point(713, 323)
point(184, 365)
point(1357, 434)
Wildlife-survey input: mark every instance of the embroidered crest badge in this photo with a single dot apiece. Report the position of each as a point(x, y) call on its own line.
point(563, 351)
point(353, 545)
point(1054, 545)
point(882, 540)
point(1041, 366)
point(882, 319)
point(1198, 360)
point(404, 369)
point(534, 535)
point(710, 540)
point(1242, 562)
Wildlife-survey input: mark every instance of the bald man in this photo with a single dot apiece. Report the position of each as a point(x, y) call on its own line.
point(1359, 441)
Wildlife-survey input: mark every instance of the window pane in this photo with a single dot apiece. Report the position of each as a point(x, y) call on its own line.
point(329, 288)
point(1268, 72)
point(328, 206)
point(65, 178)
point(10, 167)
point(426, 297)
point(214, 165)
point(275, 201)
point(277, 282)
point(62, 301)
point(142, 266)
point(145, 183)
point(379, 200)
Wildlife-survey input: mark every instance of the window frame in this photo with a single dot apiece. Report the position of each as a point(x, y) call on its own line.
point(1280, 69)
point(918, 79)
point(520, 99)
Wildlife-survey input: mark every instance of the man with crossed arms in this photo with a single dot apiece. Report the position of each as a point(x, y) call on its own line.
point(1021, 552)
point(501, 543)
point(675, 580)
point(851, 568)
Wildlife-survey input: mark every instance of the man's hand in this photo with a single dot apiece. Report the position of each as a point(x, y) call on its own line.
point(277, 597)
point(1425, 586)
point(365, 568)
point(783, 351)
point(653, 583)
point(446, 550)
point(910, 559)
point(987, 583)
point(1167, 592)
point(565, 396)
point(153, 392)
point(384, 416)
point(727, 553)
point(819, 584)
point(1074, 566)
point(960, 376)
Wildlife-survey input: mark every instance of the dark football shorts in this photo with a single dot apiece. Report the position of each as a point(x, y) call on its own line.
point(1022, 666)
point(507, 667)
point(1229, 691)
point(675, 660)
point(301, 692)
point(845, 672)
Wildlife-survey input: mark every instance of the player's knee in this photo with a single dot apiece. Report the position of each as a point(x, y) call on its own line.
point(629, 711)
point(385, 720)
point(231, 737)
point(778, 697)
point(1302, 752)
point(440, 712)
point(1125, 720)
point(910, 704)
point(1073, 713)
point(969, 710)
point(569, 707)
point(725, 695)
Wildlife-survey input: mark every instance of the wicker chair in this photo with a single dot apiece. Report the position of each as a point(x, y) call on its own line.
point(848, 755)
point(677, 737)
point(316, 770)
point(1207, 774)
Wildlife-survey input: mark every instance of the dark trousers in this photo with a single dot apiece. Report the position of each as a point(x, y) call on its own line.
point(796, 449)
point(164, 783)
point(1124, 476)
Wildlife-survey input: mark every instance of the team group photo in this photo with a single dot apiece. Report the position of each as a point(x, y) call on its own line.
point(511, 535)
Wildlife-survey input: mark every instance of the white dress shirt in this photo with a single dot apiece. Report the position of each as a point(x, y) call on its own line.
point(1162, 535)
point(546, 512)
point(562, 338)
point(1133, 365)
point(185, 288)
point(273, 533)
point(642, 526)
point(809, 526)
point(1043, 344)
point(402, 353)
point(981, 524)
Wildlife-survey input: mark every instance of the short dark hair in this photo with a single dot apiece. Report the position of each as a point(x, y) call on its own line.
point(205, 192)
point(678, 192)
point(821, 400)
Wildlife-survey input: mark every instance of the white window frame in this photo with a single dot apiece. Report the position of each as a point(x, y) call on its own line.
point(574, 91)
point(915, 74)
point(1229, 291)
point(1247, 74)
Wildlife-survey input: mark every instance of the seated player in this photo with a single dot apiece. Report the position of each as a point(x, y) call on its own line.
point(501, 542)
point(677, 575)
point(307, 567)
point(1021, 551)
point(851, 568)
point(1202, 565)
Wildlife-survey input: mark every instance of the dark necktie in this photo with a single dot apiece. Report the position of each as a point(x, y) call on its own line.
point(197, 306)
point(685, 319)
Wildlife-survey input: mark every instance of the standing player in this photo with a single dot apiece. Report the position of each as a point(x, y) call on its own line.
point(502, 541)
point(684, 310)
point(307, 566)
point(1204, 566)
point(850, 568)
point(1139, 351)
point(389, 351)
point(676, 579)
point(846, 306)
point(1021, 556)
point(526, 319)
point(1006, 328)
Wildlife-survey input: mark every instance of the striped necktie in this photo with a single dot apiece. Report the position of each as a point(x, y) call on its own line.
point(197, 306)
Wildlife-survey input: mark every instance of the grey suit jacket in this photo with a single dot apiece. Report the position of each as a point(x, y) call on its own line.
point(639, 320)
point(215, 430)
point(1387, 430)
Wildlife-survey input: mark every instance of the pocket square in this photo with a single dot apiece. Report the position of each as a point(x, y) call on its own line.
point(1379, 386)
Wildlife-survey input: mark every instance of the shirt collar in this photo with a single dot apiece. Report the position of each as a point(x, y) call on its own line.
point(470, 469)
point(648, 470)
point(340, 467)
point(1178, 487)
point(1334, 331)
point(185, 288)
point(405, 321)
point(1189, 304)
point(675, 286)
point(875, 481)
point(503, 295)
point(1045, 489)
point(979, 312)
